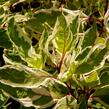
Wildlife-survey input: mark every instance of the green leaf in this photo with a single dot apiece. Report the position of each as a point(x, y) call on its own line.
point(94, 60)
point(43, 100)
point(43, 39)
point(37, 22)
point(38, 97)
point(91, 79)
point(93, 76)
point(67, 102)
point(107, 44)
point(62, 36)
point(66, 76)
point(26, 85)
point(1, 10)
point(3, 98)
point(75, 25)
point(23, 45)
point(104, 77)
point(4, 39)
point(98, 58)
point(17, 38)
point(82, 55)
point(102, 93)
point(104, 99)
point(14, 91)
point(100, 41)
point(22, 76)
point(12, 58)
point(84, 68)
point(90, 37)
point(35, 61)
point(57, 89)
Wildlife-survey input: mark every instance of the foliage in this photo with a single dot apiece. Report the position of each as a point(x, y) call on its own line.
point(56, 54)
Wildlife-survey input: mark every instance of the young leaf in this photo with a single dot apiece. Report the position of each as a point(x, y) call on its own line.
point(91, 79)
point(62, 36)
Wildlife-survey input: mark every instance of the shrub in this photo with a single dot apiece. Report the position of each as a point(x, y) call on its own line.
point(56, 54)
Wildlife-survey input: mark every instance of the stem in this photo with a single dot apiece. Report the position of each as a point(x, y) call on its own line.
point(61, 62)
point(62, 58)
point(70, 90)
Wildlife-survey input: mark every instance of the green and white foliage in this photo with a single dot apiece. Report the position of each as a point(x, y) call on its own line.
point(67, 67)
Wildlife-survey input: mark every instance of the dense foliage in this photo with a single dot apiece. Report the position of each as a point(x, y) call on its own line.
point(55, 54)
